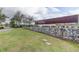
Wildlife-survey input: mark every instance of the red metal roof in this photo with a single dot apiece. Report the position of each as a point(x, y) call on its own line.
point(65, 19)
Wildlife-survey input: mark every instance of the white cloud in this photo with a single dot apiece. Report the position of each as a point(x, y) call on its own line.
point(28, 10)
point(10, 11)
point(44, 13)
point(74, 12)
point(55, 9)
point(41, 12)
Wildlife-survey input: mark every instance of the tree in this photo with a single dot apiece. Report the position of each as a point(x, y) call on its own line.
point(2, 16)
point(16, 20)
point(12, 23)
point(19, 20)
point(31, 19)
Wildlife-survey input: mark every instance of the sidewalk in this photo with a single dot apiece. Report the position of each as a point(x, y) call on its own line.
point(5, 30)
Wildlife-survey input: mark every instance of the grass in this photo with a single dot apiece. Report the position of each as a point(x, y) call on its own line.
point(24, 40)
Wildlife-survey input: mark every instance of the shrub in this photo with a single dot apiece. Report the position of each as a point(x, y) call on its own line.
point(1, 27)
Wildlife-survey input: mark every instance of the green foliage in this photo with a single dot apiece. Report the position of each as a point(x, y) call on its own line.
point(15, 21)
point(2, 16)
point(1, 26)
point(12, 23)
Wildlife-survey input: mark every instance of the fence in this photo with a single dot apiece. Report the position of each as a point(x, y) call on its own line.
point(58, 31)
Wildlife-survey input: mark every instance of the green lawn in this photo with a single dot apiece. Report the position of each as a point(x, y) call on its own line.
point(25, 40)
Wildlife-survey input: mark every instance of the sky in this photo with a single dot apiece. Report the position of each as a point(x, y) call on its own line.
point(40, 13)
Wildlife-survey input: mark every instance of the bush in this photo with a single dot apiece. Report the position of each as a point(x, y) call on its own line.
point(12, 23)
point(1, 27)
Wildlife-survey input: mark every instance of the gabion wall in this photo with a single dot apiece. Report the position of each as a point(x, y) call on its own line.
point(58, 31)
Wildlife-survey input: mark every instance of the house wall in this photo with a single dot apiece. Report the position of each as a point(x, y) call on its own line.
point(78, 19)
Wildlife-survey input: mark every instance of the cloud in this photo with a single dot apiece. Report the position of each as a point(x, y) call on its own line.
point(28, 10)
point(74, 12)
point(40, 13)
point(69, 10)
point(9, 11)
point(46, 13)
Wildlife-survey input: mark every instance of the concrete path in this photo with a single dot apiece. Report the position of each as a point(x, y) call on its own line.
point(5, 30)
